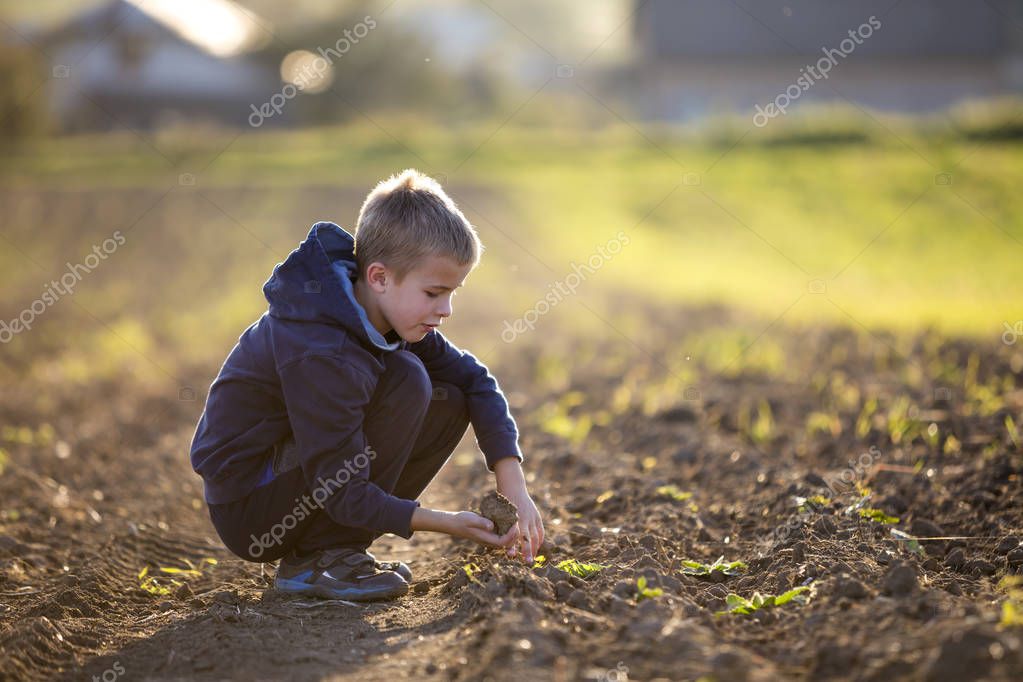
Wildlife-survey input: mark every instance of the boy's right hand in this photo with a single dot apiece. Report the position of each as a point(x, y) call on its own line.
point(472, 526)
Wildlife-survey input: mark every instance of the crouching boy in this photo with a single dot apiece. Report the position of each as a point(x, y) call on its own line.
point(340, 404)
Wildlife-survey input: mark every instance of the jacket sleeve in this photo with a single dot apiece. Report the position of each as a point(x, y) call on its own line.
point(326, 398)
point(497, 434)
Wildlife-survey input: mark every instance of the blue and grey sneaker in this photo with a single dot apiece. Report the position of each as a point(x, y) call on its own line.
point(338, 574)
point(399, 567)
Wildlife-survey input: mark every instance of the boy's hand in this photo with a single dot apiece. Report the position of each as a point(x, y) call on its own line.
point(529, 533)
point(512, 484)
point(472, 526)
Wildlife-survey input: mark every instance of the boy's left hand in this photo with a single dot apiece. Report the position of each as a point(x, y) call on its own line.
point(530, 526)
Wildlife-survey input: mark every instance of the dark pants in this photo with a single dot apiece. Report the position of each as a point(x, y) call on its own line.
point(413, 439)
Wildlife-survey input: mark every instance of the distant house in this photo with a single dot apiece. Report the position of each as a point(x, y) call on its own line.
point(696, 57)
point(142, 64)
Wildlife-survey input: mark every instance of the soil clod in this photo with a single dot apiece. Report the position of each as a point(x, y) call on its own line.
point(500, 510)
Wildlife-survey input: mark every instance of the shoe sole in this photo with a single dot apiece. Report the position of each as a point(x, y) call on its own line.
point(351, 594)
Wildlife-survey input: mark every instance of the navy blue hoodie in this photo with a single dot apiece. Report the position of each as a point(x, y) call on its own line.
point(308, 367)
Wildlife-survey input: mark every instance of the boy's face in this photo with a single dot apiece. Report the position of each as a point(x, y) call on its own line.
point(423, 299)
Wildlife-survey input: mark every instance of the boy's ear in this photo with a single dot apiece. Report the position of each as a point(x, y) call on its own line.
point(378, 276)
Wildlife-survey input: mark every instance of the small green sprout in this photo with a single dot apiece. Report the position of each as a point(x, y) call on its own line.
point(471, 569)
point(911, 542)
point(743, 606)
point(644, 592)
point(865, 418)
point(695, 568)
point(160, 586)
point(759, 429)
point(877, 515)
point(1012, 607)
point(191, 572)
point(580, 569)
point(822, 422)
point(539, 561)
point(674, 493)
point(902, 426)
point(812, 503)
point(859, 504)
point(149, 584)
point(1013, 430)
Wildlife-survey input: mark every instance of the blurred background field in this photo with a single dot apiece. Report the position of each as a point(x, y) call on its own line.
point(871, 210)
point(860, 233)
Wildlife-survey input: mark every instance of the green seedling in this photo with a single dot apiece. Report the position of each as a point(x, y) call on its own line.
point(1013, 430)
point(846, 395)
point(644, 592)
point(1012, 607)
point(902, 426)
point(909, 541)
point(471, 569)
point(858, 504)
point(556, 418)
point(161, 586)
point(695, 568)
point(760, 429)
point(877, 515)
point(539, 561)
point(25, 435)
point(580, 569)
point(741, 606)
point(757, 426)
point(985, 399)
point(822, 422)
point(673, 492)
point(812, 503)
point(863, 421)
point(150, 584)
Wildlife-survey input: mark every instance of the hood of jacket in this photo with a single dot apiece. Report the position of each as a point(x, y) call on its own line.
point(316, 284)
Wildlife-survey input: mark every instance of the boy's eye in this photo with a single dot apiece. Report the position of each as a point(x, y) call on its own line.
point(432, 295)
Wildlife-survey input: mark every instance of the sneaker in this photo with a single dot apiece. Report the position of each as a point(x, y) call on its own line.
point(338, 574)
point(399, 567)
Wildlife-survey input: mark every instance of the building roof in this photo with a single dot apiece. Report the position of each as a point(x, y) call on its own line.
point(221, 28)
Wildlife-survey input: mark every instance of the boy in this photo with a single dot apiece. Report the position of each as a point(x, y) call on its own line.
point(338, 406)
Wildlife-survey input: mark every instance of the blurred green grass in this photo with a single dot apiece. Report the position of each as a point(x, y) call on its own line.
point(762, 225)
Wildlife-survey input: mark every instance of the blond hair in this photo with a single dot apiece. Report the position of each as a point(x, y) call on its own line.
point(407, 218)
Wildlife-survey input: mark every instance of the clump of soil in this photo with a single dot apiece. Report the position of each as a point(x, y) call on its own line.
point(500, 510)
